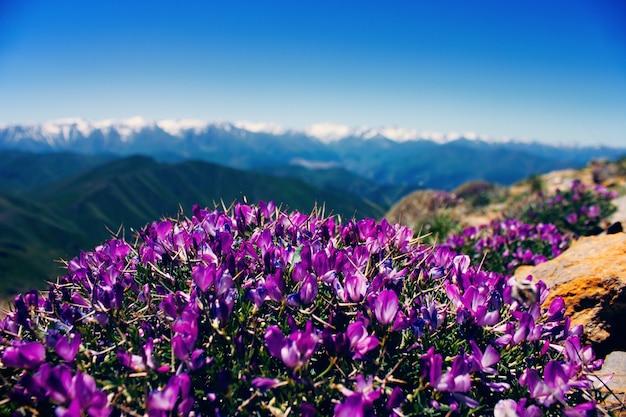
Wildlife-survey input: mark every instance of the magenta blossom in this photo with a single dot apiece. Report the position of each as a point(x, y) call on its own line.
point(294, 350)
point(25, 355)
point(386, 306)
point(360, 341)
point(557, 381)
point(358, 403)
point(161, 402)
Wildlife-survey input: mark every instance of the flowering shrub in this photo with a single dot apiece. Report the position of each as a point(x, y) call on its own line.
point(579, 210)
point(255, 311)
point(503, 245)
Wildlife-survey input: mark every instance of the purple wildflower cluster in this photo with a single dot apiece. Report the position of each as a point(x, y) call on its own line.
point(255, 311)
point(579, 210)
point(503, 245)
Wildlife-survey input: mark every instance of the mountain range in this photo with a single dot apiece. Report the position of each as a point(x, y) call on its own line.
point(386, 156)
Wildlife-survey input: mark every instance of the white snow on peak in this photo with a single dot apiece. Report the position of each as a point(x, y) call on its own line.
point(127, 127)
point(260, 127)
point(178, 127)
point(327, 132)
point(65, 130)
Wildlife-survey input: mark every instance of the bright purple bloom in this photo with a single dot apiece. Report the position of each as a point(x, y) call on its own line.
point(510, 408)
point(160, 402)
point(396, 398)
point(360, 341)
point(134, 362)
point(476, 301)
point(386, 306)
point(266, 383)
point(355, 286)
point(294, 350)
point(185, 330)
point(593, 211)
point(582, 357)
point(360, 402)
point(67, 351)
point(482, 361)
point(24, 355)
point(203, 276)
point(308, 291)
point(557, 380)
point(76, 394)
point(457, 379)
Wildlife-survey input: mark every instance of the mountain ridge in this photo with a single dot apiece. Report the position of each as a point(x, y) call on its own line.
point(67, 130)
point(418, 163)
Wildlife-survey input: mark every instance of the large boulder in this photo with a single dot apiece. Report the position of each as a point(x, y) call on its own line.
point(591, 278)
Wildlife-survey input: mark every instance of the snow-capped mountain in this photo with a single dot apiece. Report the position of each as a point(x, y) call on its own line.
point(388, 155)
point(57, 132)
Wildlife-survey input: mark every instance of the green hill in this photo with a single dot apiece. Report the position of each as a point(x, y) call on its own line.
point(338, 178)
point(20, 171)
point(58, 220)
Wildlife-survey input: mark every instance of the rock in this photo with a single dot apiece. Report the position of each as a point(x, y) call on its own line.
point(603, 171)
point(614, 228)
point(620, 214)
point(614, 368)
point(591, 278)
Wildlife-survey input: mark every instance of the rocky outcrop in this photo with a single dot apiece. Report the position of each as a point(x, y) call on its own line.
point(591, 278)
point(612, 379)
point(620, 213)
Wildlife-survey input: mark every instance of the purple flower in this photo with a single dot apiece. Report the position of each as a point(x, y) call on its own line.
point(294, 350)
point(386, 306)
point(75, 394)
point(572, 218)
point(24, 355)
point(509, 408)
point(396, 398)
point(355, 285)
point(557, 380)
point(593, 211)
point(457, 379)
point(360, 341)
point(358, 403)
point(185, 330)
point(67, 351)
point(583, 358)
point(160, 402)
point(266, 383)
point(308, 291)
point(482, 361)
point(203, 276)
point(134, 362)
point(476, 301)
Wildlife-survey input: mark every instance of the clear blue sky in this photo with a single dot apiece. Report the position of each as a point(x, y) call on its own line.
point(551, 70)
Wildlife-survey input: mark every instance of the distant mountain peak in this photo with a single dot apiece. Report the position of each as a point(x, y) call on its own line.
point(331, 132)
point(64, 129)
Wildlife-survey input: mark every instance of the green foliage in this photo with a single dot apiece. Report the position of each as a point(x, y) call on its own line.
point(536, 184)
point(581, 210)
point(476, 193)
point(437, 228)
point(503, 245)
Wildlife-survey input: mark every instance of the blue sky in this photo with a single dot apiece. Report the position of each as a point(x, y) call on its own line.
point(553, 71)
